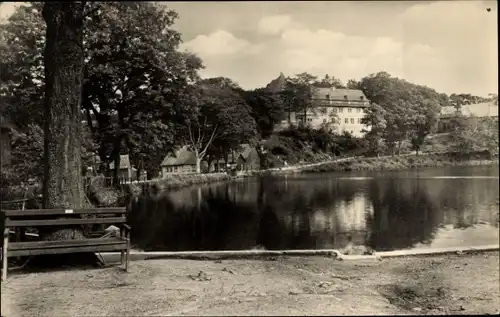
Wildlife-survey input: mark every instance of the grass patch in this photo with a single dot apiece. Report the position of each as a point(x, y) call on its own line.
point(176, 181)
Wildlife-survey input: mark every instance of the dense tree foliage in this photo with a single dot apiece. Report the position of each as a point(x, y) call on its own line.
point(474, 135)
point(409, 111)
point(330, 81)
point(375, 119)
point(458, 100)
point(219, 120)
point(267, 109)
point(133, 75)
point(22, 77)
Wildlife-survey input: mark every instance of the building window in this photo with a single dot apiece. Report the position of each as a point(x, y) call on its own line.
point(334, 109)
point(341, 109)
point(345, 97)
point(327, 97)
point(349, 110)
point(358, 110)
point(359, 120)
point(352, 120)
point(361, 98)
point(346, 120)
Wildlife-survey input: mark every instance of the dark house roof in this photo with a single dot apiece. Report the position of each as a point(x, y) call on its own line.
point(277, 84)
point(339, 94)
point(181, 157)
point(245, 151)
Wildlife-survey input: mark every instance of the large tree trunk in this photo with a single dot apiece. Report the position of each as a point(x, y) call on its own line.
point(63, 92)
point(62, 184)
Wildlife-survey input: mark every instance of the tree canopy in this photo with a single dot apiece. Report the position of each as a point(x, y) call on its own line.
point(133, 75)
point(410, 111)
point(220, 119)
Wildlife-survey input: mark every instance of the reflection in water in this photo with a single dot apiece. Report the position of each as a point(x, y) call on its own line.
point(383, 211)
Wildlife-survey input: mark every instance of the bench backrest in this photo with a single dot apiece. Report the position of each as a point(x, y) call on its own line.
point(61, 217)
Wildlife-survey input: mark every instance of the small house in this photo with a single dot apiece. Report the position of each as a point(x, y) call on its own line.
point(125, 171)
point(181, 161)
point(248, 158)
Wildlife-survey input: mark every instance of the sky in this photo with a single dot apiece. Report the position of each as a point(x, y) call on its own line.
point(450, 46)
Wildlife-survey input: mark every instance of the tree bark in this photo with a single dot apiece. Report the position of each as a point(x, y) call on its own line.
point(63, 57)
point(399, 147)
point(198, 164)
point(62, 186)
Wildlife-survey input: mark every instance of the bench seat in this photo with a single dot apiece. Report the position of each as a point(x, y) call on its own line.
point(66, 246)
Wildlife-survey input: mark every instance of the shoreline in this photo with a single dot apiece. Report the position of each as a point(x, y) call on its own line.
point(402, 162)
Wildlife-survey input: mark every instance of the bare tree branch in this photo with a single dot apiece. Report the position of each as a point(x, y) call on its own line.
point(202, 134)
point(191, 136)
point(212, 137)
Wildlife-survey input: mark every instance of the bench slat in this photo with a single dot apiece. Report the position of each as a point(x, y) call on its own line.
point(46, 212)
point(63, 243)
point(95, 248)
point(61, 222)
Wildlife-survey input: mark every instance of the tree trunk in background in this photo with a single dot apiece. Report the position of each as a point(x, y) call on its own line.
point(198, 164)
point(63, 91)
point(399, 147)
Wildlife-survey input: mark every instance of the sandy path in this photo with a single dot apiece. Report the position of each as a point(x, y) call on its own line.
point(450, 284)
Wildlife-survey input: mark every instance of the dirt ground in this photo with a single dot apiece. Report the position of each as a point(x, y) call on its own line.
point(447, 284)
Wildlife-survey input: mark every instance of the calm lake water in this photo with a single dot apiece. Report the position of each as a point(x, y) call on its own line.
point(443, 207)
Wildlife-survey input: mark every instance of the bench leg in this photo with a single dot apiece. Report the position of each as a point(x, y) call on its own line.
point(18, 239)
point(127, 257)
point(4, 255)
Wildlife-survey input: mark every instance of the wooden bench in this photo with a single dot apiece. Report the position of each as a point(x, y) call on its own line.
point(62, 218)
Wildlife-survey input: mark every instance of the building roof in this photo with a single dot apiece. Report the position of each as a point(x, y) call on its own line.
point(181, 157)
point(321, 91)
point(247, 149)
point(277, 84)
point(485, 109)
point(244, 151)
point(339, 94)
point(124, 162)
